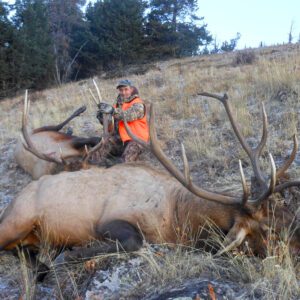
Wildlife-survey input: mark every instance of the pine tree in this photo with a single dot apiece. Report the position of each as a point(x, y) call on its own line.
point(6, 41)
point(172, 28)
point(174, 11)
point(33, 44)
point(115, 33)
point(230, 46)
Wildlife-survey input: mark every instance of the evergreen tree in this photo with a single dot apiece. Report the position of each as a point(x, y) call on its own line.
point(174, 12)
point(115, 33)
point(230, 46)
point(172, 28)
point(6, 52)
point(33, 44)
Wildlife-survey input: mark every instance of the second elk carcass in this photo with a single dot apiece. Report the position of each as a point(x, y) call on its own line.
point(57, 150)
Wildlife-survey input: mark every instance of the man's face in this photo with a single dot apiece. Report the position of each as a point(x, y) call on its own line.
point(125, 91)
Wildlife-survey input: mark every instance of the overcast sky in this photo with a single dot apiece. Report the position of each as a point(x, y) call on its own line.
point(266, 21)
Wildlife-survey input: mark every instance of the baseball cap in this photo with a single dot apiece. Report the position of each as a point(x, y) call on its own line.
point(124, 82)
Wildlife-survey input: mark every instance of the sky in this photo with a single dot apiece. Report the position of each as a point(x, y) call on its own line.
point(267, 21)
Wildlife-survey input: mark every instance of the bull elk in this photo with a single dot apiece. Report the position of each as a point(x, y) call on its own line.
point(57, 150)
point(125, 204)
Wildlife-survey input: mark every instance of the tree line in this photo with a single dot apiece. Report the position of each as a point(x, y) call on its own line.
point(46, 42)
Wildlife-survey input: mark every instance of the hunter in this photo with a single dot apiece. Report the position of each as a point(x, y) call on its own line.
point(120, 147)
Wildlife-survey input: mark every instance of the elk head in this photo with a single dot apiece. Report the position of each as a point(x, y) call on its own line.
point(256, 211)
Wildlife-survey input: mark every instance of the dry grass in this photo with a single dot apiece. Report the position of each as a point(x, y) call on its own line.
point(165, 267)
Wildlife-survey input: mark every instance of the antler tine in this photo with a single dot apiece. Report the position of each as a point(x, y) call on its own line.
point(264, 137)
point(244, 184)
point(168, 164)
point(186, 166)
point(93, 97)
point(135, 138)
point(29, 145)
point(98, 91)
point(94, 149)
point(285, 185)
point(64, 162)
point(272, 185)
point(290, 160)
point(25, 109)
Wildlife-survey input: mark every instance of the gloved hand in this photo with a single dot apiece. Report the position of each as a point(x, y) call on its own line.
point(118, 114)
point(104, 108)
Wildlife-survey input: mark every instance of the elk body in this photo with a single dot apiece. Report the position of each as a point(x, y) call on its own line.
point(58, 146)
point(131, 202)
point(72, 208)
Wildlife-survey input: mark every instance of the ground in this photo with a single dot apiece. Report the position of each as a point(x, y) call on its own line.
point(163, 271)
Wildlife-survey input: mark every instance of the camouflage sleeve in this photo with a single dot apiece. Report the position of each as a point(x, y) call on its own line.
point(135, 112)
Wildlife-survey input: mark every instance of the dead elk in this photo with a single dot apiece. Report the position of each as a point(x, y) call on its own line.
point(127, 203)
point(56, 147)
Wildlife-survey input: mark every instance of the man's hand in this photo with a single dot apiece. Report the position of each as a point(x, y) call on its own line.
point(104, 108)
point(118, 114)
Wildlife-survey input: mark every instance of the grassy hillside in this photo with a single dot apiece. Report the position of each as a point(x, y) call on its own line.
point(272, 77)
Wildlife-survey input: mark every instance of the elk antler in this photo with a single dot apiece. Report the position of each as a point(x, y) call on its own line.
point(290, 160)
point(28, 145)
point(255, 153)
point(185, 178)
point(58, 127)
point(252, 153)
point(93, 150)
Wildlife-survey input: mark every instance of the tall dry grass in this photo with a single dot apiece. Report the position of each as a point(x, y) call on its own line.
point(166, 267)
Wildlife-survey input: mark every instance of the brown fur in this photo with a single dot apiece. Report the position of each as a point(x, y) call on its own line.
point(49, 142)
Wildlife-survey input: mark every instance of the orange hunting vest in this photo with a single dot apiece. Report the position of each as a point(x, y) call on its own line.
point(138, 127)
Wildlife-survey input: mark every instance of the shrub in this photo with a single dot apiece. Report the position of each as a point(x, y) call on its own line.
point(244, 58)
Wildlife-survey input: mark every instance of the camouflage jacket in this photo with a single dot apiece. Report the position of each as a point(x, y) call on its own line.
point(135, 112)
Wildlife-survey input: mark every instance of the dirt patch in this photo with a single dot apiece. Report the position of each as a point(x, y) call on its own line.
point(12, 178)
